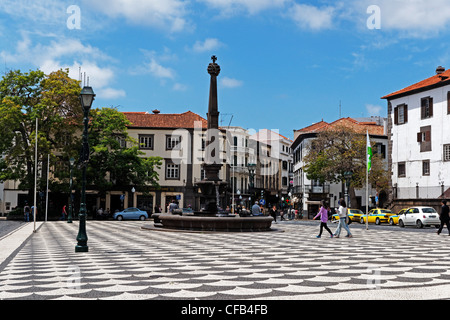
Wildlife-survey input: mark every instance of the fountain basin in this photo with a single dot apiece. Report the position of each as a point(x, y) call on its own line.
point(214, 223)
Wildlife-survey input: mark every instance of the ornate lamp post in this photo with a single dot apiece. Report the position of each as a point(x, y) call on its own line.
point(86, 97)
point(70, 217)
point(251, 172)
point(348, 177)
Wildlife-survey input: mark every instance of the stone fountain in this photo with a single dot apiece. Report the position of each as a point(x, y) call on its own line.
point(209, 218)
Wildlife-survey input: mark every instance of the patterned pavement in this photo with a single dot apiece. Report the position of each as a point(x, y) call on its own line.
point(128, 262)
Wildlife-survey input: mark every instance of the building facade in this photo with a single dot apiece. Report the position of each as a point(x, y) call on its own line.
point(419, 141)
point(179, 139)
point(275, 165)
point(310, 193)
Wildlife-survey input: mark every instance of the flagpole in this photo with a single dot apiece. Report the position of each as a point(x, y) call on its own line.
point(369, 165)
point(46, 196)
point(35, 175)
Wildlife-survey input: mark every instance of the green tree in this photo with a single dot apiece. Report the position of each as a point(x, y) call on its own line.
point(339, 150)
point(116, 161)
point(25, 97)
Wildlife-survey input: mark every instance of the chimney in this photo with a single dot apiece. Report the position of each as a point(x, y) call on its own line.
point(156, 111)
point(440, 70)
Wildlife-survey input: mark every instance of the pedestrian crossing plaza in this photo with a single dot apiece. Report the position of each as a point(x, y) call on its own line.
point(127, 261)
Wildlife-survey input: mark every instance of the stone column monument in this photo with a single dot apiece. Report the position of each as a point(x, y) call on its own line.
point(212, 187)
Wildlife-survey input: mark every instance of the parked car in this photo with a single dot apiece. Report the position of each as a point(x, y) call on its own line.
point(131, 214)
point(419, 217)
point(393, 220)
point(377, 216)
point(353, 215)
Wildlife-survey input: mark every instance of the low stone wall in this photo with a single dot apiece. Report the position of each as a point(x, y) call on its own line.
point(399, 204)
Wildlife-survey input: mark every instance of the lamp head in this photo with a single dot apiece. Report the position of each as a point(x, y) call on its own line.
point(87, 98)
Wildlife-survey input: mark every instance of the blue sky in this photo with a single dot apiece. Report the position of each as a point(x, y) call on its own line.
point(285, 63)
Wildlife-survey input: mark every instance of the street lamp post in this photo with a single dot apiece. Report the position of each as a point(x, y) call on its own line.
point(70, 217)
point(348, 177)
point(290, 201)
point(86, 97)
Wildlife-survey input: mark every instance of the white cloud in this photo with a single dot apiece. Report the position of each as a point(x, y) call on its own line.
point(36, 11)
point(231, 83)
point(251, 6)
point(373, 110)
point(207, 45)
point(69, 54)
point(159, 71)
point(167, 14)
point(110, 93)
point(311, 17)
point(179, 87)
point(418, 18)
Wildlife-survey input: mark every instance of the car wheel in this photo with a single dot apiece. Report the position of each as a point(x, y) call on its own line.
point(401, 224)
point(419, 224)
point(361, 221)
point(142, 218)
point(391, 222)
point(119, 218)
point(377, 221)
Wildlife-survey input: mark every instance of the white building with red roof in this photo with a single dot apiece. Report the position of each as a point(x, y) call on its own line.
point(419, 141)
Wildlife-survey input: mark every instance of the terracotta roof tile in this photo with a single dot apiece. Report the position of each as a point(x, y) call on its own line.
point(176, 120)
point(314, 127)
point(361, 127)
point(436, 80)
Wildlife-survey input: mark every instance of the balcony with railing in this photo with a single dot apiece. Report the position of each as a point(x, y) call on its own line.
point(311, 189)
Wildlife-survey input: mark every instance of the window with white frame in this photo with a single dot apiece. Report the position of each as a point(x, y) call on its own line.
point(146, 141)
point(401, 114)
point(446, 152)
point(426, 167)
point(172, 171)
point(401, 169)
point(173, 142)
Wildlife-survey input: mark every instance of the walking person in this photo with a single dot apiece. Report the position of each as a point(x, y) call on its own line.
point(323, 214)
point(63, 213)
point(444, 217)
point(342, 211)
point(26, 212)
point(273, 213)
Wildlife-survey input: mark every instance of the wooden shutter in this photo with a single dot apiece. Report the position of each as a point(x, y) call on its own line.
point(396, 115)
point(427, 136)
point(419, 136)
point(405, 112)
point(448, 102)
point(422, 108)
point(430, 101)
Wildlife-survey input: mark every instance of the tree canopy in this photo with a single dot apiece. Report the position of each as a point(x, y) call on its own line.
point(337, 151)
point(25, 97)
point(54, 100)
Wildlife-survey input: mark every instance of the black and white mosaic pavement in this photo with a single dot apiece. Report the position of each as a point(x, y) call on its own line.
point(128, 262)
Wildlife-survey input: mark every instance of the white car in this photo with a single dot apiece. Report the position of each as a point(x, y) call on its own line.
point(419, 217)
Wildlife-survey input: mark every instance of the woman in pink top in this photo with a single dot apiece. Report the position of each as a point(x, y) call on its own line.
point(323, 213)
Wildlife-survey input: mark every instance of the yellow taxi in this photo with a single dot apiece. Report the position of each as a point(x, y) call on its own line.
point(377, 216)
point(393, 220)
point(353, 215)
